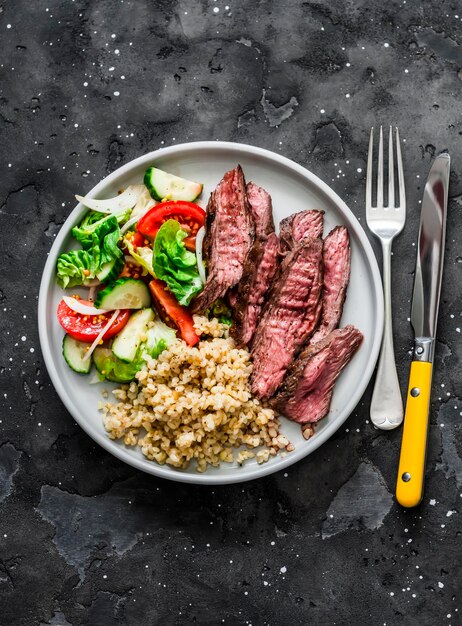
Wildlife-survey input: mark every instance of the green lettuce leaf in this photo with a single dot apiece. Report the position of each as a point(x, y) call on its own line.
point(74, 268)
point(174, 264)
point(98, 234)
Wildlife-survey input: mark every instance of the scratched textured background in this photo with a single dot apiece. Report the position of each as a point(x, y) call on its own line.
point(84, 88)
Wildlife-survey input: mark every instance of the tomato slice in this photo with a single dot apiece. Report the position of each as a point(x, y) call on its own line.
point(191, 216)
point(172, 312)
point(138, 240)
point(87, 327)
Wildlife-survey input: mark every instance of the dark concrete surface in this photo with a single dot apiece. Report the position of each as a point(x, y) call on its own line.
point(87, 86)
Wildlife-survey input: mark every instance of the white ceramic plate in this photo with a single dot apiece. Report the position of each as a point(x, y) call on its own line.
point(293, 188)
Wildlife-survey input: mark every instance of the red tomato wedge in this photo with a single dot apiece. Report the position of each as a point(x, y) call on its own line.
point(87, 327)
point(171, 312)
point(191, 216)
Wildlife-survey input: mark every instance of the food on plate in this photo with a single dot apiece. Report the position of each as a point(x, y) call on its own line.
point(87, 328)
point(190, 216)
point(198, 387)
point(230, 231)
point(296, 227)
point(336, 259)
point(164, 185)
point(259, 268)
point(262, 210)
point(194, 403)
point(290, 316)
point(306, 393)
point(172, 311)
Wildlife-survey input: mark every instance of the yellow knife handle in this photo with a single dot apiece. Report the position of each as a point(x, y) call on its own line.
point(411, 472)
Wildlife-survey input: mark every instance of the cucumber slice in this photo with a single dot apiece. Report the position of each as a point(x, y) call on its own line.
point(112, 368)
point(73, 352)
point(110, 270)
point(124, 293)
point(126, 343)
point(164, 185)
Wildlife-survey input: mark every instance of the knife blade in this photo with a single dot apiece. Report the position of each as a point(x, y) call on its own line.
point(424, 319)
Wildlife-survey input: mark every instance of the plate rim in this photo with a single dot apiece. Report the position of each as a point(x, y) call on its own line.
point(251, 472)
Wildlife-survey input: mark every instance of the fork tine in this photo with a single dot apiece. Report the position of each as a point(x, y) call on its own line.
point(369, 171)
point(402, 191)
point(380, 172)
point(391, 171)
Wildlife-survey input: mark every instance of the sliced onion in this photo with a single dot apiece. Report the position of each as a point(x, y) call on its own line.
point(200, 263)
point(133, 220)
point(84, 309)
point(92, 283)
point(145, 203)
point(101, 335)
point(122, 202)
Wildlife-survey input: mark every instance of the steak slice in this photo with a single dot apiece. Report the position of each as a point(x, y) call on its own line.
point(230, 235)
point(262, 210)
point(294, 228)
point(290, 316)
point(259, 270)
point(336, 257)
point(306, 392)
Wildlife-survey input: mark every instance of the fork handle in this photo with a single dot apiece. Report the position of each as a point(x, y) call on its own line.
point(387, 404)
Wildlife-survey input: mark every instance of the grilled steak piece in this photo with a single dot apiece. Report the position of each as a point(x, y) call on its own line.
point(336, 257)
point(229, 238)
point(262, 210)
point(306, 392)
point(290, 316)
point(294, 228)
point(259, 270)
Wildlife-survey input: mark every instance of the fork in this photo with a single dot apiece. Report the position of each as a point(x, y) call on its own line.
point(385, 222)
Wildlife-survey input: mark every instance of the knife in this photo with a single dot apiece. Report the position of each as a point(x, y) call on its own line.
point(424, 317)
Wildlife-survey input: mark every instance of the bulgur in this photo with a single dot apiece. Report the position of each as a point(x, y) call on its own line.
point(195, 404)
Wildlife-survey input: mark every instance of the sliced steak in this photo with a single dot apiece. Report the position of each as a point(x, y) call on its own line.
point(259, 270)
point(289, 317)
point(230, 235)
point(262, 210)
point(336, 257)
point(306, 392)
point(294, 228)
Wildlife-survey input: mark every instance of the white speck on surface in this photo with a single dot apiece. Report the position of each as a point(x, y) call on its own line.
point(449, 513)
point(347, 95)
point(283, 569)
point(23, 338)
point(116, 51)
point(359, 170)
point(386, 45)
point(8, 26)
point(117, 93)
point(113, 36)
point(216, 9)
point(322, 111)
point(440, 585)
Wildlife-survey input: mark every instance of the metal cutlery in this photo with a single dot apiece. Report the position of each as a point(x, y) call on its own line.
point(424, 317)
point(386, 221)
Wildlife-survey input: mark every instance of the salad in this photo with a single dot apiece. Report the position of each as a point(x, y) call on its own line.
point(128, 285)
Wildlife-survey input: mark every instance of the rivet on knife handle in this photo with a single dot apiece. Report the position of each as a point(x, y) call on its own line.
point(411, 471)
